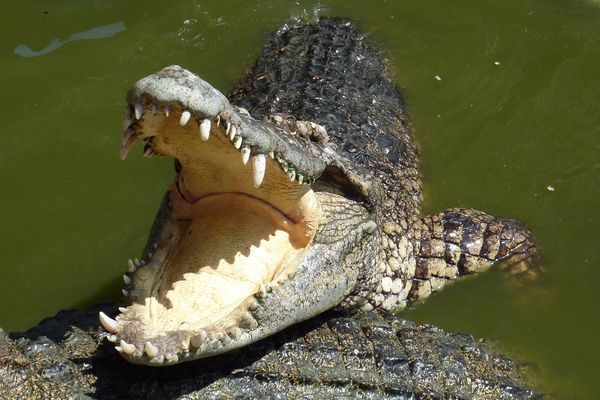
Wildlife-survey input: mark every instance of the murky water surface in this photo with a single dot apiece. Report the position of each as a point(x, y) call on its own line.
point(515, 109)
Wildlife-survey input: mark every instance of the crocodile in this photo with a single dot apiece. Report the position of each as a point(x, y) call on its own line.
point(323, 228)
point(298, 193)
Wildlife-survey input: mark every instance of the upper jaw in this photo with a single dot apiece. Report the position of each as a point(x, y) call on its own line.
point(175, 87)
point(178, 114)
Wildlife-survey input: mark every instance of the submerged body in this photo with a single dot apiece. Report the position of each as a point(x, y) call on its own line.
point(302, 197)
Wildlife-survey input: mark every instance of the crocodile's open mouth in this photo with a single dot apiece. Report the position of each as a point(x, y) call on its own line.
point(238, 220)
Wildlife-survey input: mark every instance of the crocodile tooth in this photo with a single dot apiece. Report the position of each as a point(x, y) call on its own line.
point(112, 338)
point(203, 347)
point(205, 129)
point(252, 324)
point(300, 178)
point(237, 143)
point(126, 279)
point(157, 359)
point(137, 262)
point(248, 321)
point(234, 333)
point(292, 175)
point(125, 292)
point(320, 129)
point(232, 132)
point(218, 120)
point(148, 152)
point(197, 340)
point(262, 291)
point(155, 245)
point(151, 350)
point(172, 358)
point(245, 154)
point(122, 309)
point(185, 344)
point(119, 349)
point(243, 111)
point(139, 110)
point(227, 127)
point(132, 266)
point(185, 117)
point(127, 348)
point(259, 165)
point(253, 305)
point(272, 154)
point(108, 323)
point(153, 108)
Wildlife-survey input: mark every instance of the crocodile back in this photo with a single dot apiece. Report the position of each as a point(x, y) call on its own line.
point(329, 74)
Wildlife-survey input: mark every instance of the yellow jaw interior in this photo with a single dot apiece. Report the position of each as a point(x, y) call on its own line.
point(232, 245)
point(227, 239)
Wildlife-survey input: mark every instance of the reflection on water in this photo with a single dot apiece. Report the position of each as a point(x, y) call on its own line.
point(99, 32)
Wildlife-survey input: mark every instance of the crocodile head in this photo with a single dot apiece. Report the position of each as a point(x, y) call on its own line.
point(259, 230)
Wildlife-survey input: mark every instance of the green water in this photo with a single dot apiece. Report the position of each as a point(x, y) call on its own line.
point(517, 109)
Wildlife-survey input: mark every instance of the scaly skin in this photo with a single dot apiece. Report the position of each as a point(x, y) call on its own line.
point(329, 75)
point(328, 216)
point(330, 357)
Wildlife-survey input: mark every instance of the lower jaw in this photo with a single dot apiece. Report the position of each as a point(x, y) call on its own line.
point(232, 245)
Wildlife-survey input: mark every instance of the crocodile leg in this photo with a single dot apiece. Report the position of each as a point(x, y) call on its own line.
point(420, 257)
point(460, 241)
